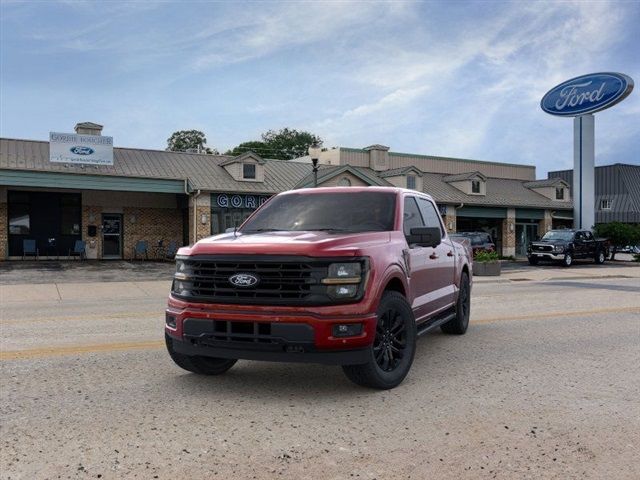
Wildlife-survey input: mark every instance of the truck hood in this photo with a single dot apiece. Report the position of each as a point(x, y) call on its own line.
point(304, 243)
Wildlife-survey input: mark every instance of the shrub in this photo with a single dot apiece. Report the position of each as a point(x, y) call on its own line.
point(483, 256)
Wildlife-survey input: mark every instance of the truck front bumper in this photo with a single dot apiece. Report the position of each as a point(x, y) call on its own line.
point(547, 256)
point(282, 334)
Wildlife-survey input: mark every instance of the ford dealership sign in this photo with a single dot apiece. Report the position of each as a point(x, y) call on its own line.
point(80, 149)
point(587, 94)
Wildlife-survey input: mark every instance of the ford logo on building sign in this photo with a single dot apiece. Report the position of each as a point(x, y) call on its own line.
point(587, 94)
point(243, 280)
point(77, 150)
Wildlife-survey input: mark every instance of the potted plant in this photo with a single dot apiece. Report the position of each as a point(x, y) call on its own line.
point(486, 264)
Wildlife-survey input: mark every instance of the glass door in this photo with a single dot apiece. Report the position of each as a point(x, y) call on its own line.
point(525, 233)
point(111, 235)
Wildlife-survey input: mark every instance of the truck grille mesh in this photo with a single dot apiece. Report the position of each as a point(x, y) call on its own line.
point(280, 280)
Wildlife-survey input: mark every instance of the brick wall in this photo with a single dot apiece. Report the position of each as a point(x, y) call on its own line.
point(509, 233)
point(202, 210)
point(545, 224)
point(4, 237)
point(152, 225)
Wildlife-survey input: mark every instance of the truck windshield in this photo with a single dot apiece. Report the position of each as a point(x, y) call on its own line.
point(339, 212)
point(556, 235)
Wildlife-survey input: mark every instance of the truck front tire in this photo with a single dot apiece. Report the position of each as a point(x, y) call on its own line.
point(198, 364)
point(600, 257)
point(394, 346)
point(567, 261)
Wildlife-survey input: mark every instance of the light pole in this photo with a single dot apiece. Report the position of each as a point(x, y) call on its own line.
point(314, 153)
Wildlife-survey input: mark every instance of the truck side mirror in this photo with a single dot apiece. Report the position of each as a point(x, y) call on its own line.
point(424, 237)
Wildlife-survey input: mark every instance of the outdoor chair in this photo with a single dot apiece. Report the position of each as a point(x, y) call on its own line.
point(142, 249)
point(172, 249)
point(80, 249)
point(29, 248)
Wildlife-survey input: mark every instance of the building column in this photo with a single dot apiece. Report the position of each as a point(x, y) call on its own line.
point(4, 227)
point(509, 234)
point(200, 213)
point(450, 219)
point(545, 224)
point(92, 216)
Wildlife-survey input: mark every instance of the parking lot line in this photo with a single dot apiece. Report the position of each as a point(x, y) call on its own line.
point(156, 344)
point(71, 318)
point(544, 315)
point(76, 349)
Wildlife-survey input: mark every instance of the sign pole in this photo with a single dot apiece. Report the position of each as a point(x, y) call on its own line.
point(583, 171)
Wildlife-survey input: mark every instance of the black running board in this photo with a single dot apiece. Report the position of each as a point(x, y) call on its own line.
point(436, 321)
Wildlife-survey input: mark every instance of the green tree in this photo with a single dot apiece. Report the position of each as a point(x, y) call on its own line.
point(619, 234)
point(184, 140)
point(283, 144)
point(289, 143)
point(255, 146)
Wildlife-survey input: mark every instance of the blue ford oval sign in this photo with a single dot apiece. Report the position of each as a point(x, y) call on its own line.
point(81, 150)
point(587, 94)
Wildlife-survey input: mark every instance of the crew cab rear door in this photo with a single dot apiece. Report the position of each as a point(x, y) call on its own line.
point(425, 277)
point(444, 271)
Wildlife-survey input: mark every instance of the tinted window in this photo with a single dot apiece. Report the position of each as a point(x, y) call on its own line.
point(348, 211)
point(475, 186)
point(430, 214)
point(558, 235)
point(412, 217)
point(588, 236)
point(411, 182)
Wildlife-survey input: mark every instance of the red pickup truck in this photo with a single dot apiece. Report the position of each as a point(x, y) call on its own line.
point(348, 276)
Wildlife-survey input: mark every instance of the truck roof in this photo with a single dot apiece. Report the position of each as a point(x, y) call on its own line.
point(396, 190)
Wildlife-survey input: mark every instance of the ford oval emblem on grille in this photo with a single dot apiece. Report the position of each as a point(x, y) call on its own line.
point(244, 280)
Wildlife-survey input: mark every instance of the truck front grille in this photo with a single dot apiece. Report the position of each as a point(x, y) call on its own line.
point(543, 248)
point(281, 280)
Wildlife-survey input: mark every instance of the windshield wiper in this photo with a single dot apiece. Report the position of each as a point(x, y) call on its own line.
point(261, 230)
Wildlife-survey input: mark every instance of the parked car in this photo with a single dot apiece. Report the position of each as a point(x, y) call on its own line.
point(480, 241)
point(348, 276)
point(565, 246)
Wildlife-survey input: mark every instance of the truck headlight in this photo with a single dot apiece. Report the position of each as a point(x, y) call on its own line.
point(343, 279)
point(559, 248)
point(343, 273)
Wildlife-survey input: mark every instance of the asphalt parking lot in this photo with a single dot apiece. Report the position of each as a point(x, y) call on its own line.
point(544, 385)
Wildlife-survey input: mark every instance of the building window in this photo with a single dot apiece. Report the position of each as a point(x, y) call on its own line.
point(70, 214)
point(475, 186)
point(605, 204)
point(411, 182)
point(344, 182)
point(249, 171)
point(19, 219)
point(559, 193)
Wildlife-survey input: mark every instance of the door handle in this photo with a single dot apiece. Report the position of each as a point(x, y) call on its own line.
point(433, 256)
point(450, 254)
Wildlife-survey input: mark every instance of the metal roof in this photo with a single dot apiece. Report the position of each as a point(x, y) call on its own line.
point(203, 171)
point(547, 182)
point(463, 176)
point(326, 172)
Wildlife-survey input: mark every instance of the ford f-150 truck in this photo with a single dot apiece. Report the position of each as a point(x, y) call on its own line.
point(348, 276)
point(565, 246)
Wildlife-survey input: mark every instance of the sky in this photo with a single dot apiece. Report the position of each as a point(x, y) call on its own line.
point(450, 78)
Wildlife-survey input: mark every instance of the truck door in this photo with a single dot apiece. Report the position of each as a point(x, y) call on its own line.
point(443, 268)
point(579, 250)
point(420, 266)
point(589, 245)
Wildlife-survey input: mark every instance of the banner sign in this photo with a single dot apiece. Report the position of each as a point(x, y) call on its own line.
point(236, 200)
point(587, 94)
point(80, 149)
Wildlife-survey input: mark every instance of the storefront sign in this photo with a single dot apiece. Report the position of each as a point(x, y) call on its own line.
point(235, 200)
point(80, 149)
point(587, 94)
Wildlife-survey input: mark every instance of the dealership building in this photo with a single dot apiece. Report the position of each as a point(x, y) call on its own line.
point(79, 187)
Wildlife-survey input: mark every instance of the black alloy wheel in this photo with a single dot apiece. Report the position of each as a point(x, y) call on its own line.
point(393, 347)
point(391, 340)
point(600, 257)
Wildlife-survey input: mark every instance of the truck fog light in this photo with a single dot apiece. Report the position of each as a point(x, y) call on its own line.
point(342, 291)
point(347, 330)
point(170, 320)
